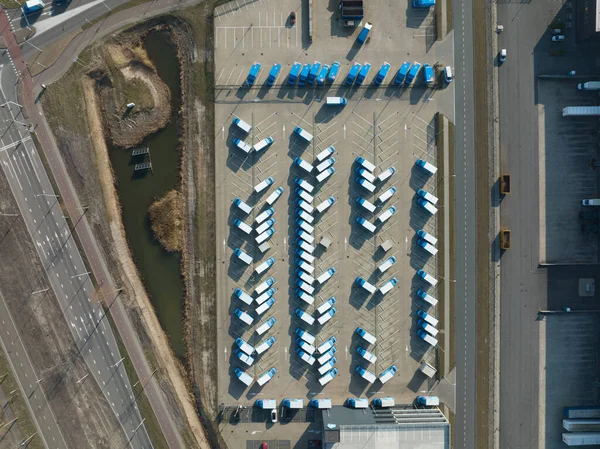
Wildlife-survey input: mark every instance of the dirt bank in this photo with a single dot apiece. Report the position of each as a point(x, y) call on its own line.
point(166, 217)
point(86, 91)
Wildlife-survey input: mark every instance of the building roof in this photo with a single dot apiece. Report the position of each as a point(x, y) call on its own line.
point(402, 427)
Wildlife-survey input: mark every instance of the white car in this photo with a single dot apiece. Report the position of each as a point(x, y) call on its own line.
point(502, 56)
point(558, 38)
point(274, 415)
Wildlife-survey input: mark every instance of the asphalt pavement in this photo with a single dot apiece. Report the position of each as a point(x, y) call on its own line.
point(465, 227)
point(71, 283)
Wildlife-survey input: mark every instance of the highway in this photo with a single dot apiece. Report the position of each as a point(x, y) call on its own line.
point(465, 227)
point(71, 283)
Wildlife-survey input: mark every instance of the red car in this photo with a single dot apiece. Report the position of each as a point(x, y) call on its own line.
point(264, 446)
point(292, 18)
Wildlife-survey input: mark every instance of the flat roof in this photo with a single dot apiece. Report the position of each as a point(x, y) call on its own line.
point(597, 16)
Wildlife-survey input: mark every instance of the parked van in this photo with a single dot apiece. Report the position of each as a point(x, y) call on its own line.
point(245, 358)
point(264, 327)
point(366, 204)
point(305, 356)
point(263, 144)
point(336, 101)
point(427, 247)
point(328, 377)
point(325, 164)
point(386, 174)
point(305, 256)
point(305, 266)
point(305, 205)
point(369, 338)
point(265, 306)
point(365, 163)
point(428, 338)
point(310, 349)
point(326, 275)
point(388, 374)
point(265, 265)
point(304, 195)
point(242, 145)
point(427, 317)
point(352, 73)
point(264, 215)
point(448, 74)
point(262, 347)
point(305, 226)
point(243, 376)
point(368, 356)
point(428, 328)
point(364, 284)
point(326, 367)
point(365, 224)
point(427, 206)
point(304, 316)
point(304, 184)
point(305, 235)
point(327, 152)
point(244, 257)
point(264, 286)
point(382, 74)
point(304, 215)
point(426, 166)
point(305, 245)
point(384, 216)
point(265, 236)
point(304, 134)
point(335, 68)
point(427, 277)
point(305, 276)
point(327, 356)
point(326, 306)
point(365, 174)
point(365, 184)
point(366, 374)
point(305, 286)
point(304, 335)
point(266, 377)
point(304, 74)
point(326, 345)
point(428, 196)
point(386, 265)
point(427, 297)
point(385, 288)
point(265, 296)
point(326, 204)
point(402, 72)
point(427, 237)
point(264, 184)
point(363, 73)
point(242, 125)
point(327, 316)
point(242, 206)
point(308, 168)
point(243, 296)
point(386, 195)
point(314, 72)
point(308, 299)
point(325, 174)
point(244, 316)
point(294, 72)
point(244, 346)
point(273, 74)
point(266, 225)
point(243, 226)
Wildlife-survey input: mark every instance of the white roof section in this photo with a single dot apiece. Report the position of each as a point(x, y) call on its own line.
point(390, 436)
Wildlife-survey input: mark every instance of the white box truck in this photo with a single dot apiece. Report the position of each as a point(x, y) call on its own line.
point(265, 236)
point(303, 194)
point(305, 316)
point(266, 377)
point(328, 377)
point(326, 204)
point(427, 237)
point(428, 338)
point(242, 226)
point(326, 345)
point(386, 265)
point(366, 204)
point(305, 216)
point(306, 336)
point(428, 328)
point(327, 316)
point(304, 134)
point(304, 205)
point(308, 168)
point(264, 184)
point(304, 185)
point(386, 174)
point(427, 247)
point(266, 225)
point(305, 236)
point(427, 206)
point(327, 356)
point(366, 224)
point(325, 174)
point(265, 306)
point(264, 215)
point(244, 316)
point(264, 327)
point(427, 277)
point(326, 275)
point(263, 346)
point(363, 172)
point(243, 296)
point(243, 376)
point(385, 215)
point(305, 286)
point(327, 152)
point(274, 196)
point(242, 206)
point(244, 257)
point(242, 145)
point(264, 143)
point(308, 299)
point(305, 266)
point(369, 338)
point(365, 163)
point(265, 265)
point(305, 276)
point(364, 284)
point(305, 226)
point(242, 125)
point(365, 184)
point(428, 196)
point(427, 317)
point(266, 295)
point(336, 101)
point(327, 366)
point(385, 288)
point(305, 256)
point(325, 164)
point(426, 166)
point(386, 195)
point(305, 246)
point(427, 297)
point(366, 374)
point(388, 374)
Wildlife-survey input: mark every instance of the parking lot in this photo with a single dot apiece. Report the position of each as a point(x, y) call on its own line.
point(568, 150)
point(388, 126)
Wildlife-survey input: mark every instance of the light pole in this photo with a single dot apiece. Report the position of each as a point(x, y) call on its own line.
point(446, 279)
point(47, 194)
point(83, 378)
point(80, 275)
point(118, 363)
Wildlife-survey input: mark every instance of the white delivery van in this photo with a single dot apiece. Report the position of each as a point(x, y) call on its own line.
point(365, 163)
point(243, 296)
point(366, 374)
point(365, 184)
point(264, 184)
point(427, 237)
point(305, 226)
point(305, 286)
point(306, 336)
point(325, 164)
point(428, 328)
point(366, 174)
point(265, 306)
point(242, 226)
point(263, 144)
point(305, 216)
point(366, 285)
point(366, 224)
point(428, 196)
point(386, 195)
point(308, 299)
point(327, 152)
point(242, 145)
point(368, 356)
point(427, 297)
point(386, 265)
point(304, 134)
point(266, 295)
point(427, 247)
point(305, 205)
point(388, 374)
point(326, 305)
point(305, 356)
point(310, 349)
point(305, 256)
point(305, 266)
point(305, 276)
point(244, 257)
point(266, 377)
point(428, 338)
point(427, 317)
point(304, 195)
point(263, 346)
point(242, 206)
point(427, 277)
point(264, 215)
point(385, 288)
point(305, 236)
point(305, 246)
point(327, 316)
point(304, 185)
point(242, 125)
point(264, 327)
point(326, 275)
point(266, 225)
point(366, 204)
point(264, 236)
point(265, 265)
point(326, 204)
point(426, 166)
point(336, 101)
point(325, 174)
point(305, 316)
point(244, 376)
point(326, 357)
point(327, 366)
point(369, 338)
point(274, 196)
point(384, 216)
point(448, 74)
point(244, 346)
point(326, 345)
point(308, 168)
point(244, 316)
point(328, 377)
point(386, 174)
point(427, 206)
